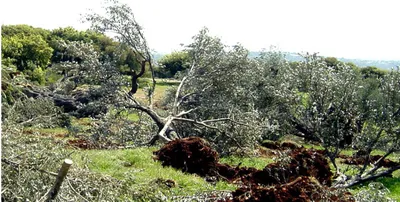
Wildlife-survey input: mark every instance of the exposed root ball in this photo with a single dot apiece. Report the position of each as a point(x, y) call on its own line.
point(270, 145)
point(191, 154)
point(311, 163)
point(289, 145)
point(303, 163)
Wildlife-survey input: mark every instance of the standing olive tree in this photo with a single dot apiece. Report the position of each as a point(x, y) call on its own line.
point(380, 128)
point(324, 103)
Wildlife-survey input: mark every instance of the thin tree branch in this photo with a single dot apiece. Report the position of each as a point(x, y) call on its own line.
point(217, 120)
point(77, 193)
point(196, 122)
point(185, 112)
point(178, 91)
point(156, 118)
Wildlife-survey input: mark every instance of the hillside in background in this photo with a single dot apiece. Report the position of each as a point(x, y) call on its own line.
point(384, 64)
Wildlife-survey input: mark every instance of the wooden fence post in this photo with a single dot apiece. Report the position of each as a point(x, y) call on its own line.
point(60, 178)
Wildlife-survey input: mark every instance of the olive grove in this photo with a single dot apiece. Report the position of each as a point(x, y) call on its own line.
point(231, 100)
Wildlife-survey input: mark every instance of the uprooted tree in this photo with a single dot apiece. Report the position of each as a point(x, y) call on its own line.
point(204, 98)
point(232, 100)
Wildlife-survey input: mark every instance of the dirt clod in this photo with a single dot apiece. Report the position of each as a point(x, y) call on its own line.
point(270, 145)
point(83, 143)
point(289, 145)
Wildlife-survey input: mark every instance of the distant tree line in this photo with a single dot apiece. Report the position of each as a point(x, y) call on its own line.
point(32, 51)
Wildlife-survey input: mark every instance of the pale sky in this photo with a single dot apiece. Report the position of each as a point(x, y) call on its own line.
point(355, 29)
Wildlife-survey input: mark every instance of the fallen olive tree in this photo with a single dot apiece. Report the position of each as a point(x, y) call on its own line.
point(92, 85)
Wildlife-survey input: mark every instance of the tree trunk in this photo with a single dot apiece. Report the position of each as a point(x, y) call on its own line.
point(134, 78)
point(69, 104)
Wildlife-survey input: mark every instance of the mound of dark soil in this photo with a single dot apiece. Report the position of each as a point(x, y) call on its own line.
point(87, 144)
point(290, 145)
point(230, 173)
point(81, 143)
point(308, 162)
point(271, 145)
point(301, 189)
point(280, 146)
point(192, 155)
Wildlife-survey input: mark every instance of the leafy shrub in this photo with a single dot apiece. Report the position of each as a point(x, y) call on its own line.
point(38, 75)
point(51, 76)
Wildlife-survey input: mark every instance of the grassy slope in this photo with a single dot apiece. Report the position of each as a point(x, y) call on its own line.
point(161, 86)
point(138, 166)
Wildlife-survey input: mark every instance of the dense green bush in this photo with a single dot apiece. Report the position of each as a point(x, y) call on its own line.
point(38, 75)
point(173, 63)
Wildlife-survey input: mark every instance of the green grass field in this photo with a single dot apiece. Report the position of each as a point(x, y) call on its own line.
point(138, 165)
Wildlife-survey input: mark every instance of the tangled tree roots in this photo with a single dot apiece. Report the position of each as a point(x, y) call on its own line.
point(192, 155)
point(301, 189)
point(303, 176)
